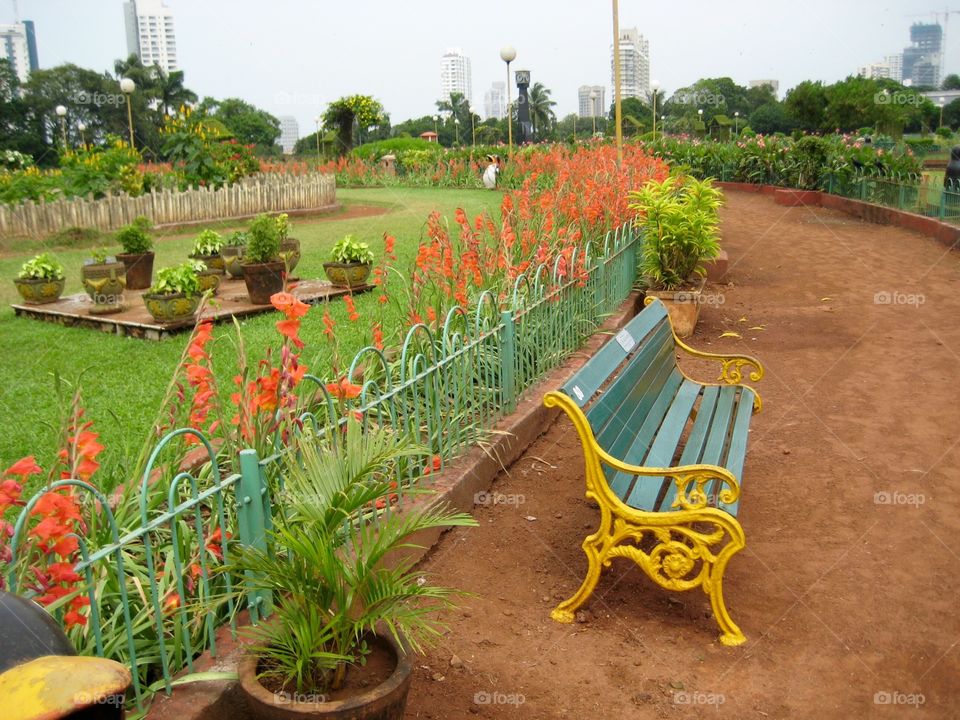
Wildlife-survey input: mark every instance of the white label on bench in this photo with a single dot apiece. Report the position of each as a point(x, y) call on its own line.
point(578, 392)
point(626, 340)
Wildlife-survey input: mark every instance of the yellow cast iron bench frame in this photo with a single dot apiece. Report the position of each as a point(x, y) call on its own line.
point(678, 523)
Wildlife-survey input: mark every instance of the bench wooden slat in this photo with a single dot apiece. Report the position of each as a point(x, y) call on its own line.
point(647, 490)
point(737, 447)
point(629, 386)
point(582, 386)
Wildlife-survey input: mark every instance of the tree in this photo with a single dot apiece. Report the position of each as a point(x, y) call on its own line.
point(341, 114)
point(18, 128)
point(805, 105)
point(637, 116)
point(770, 118)
point(541, 108)
point(951, 82)
point(170, 90)
point(249, 124)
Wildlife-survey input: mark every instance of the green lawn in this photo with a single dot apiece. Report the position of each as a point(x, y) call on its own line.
point(124, 379)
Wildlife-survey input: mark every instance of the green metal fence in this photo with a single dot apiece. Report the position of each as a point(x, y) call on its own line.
point(146, 569)
point(931, 199)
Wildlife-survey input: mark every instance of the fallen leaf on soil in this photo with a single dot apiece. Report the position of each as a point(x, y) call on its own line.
point(730, 333)
point(825, 299)
point(530, 518)
point(758, 327)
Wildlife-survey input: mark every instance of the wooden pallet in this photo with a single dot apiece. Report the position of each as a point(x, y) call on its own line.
point(134, 321)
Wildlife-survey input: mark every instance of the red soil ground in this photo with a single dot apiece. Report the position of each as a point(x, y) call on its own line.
point(847, 589)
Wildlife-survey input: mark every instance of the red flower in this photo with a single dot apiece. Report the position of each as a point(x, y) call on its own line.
point(352, 313)
point(344, 389)
point(24, 467)
point(289, 305)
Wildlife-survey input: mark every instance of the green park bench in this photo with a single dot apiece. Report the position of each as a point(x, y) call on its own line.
point(663, 456)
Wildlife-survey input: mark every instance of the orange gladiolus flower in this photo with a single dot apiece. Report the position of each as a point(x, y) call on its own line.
point(24, 467)
point(289, 305)
point(344, 389)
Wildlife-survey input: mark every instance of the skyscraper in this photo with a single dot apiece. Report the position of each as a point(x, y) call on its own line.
point(455, 75)
point(150, 34)
point(289, 133)
point(634, 65)
point(18, 44)
point(495, 101)
point(595, 107)
point(922, 59)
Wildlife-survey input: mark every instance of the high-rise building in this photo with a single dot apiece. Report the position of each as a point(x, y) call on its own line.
point(634, 65)
point(874, 71)
point(895, 63)
point(495, 101)
point(289, 133)
point(455, 75)
point(922, 60)
point(150, 36)
point(18, 44)
point(592, 107)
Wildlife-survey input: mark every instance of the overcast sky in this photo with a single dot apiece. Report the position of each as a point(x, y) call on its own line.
point(293, 57)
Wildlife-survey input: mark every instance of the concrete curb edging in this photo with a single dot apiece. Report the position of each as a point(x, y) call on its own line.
point(457, 486)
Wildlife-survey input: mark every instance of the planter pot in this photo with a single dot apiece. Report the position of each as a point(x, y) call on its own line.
point(233, 260)
point(213, 262)
point(290, 253)
point(386, 701)
point(210, 280)
point(263, 280)
point(683, 307)
point(139, 269)
point(171, 307)
point(39, 291)
point(349, 275)
point(105, 283)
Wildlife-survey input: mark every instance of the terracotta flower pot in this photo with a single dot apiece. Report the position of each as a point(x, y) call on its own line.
point(171, 307)
point(139, 269)
point(105, 283)
point(263, 280)
point(384, 702)
point(39, 291)
point(683, 307)
point(349, 275)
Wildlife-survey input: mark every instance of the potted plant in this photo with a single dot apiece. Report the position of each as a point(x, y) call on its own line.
point(289, 247)
point(137, 255)
point(263, 270)
point(232, 253)
point(104, 278)
point(175, 295)
point(209, 278)
point(351, 263)
point(346, 603)
point(40, 280)
point(206, 248)
point(680, 220)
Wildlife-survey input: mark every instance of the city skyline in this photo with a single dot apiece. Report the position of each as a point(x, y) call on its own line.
point(234, 49)
point(150, 33)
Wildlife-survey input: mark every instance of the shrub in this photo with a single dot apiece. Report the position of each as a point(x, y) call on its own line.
point(395, 146)
point(134, 239)
point(263, 243)
point(72, 236)
point(42, 267)
point(178, 279)
point(944, 132)
point(208, 242)
point(350, 250)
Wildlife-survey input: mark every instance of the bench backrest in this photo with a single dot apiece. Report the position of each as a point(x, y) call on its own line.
point(639, 364)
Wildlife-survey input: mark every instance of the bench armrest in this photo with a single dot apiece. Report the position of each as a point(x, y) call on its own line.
point(731, 367)
point(690, 480)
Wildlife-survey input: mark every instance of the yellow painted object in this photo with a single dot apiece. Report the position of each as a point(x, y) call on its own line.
point(53, 686)
point(692, 532)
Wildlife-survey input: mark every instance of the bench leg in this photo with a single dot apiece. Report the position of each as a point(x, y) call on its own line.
point(713, 586)
point(565, 612)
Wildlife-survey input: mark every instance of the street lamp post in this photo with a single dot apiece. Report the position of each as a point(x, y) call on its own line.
point(593, 110)
point(456, 130)
point(736, 123)
point(617, 105)
point(508, 54)
point(654, 86)
point(473, 126)
point(663, 124)
point(81, 128)
point(943, 101)
point(316, 121)
point(700, 120)
point(127, 86)
point(62, 113)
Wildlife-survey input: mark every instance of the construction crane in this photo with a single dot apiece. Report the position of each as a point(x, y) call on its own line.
point(947, 12)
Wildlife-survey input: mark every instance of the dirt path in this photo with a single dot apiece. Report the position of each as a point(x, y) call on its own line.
point(848, 588)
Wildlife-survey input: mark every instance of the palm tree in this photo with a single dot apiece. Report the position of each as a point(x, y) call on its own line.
point(541, 108)
point(170, 90)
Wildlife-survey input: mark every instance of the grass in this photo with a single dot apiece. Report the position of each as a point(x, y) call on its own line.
point(124, 380)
